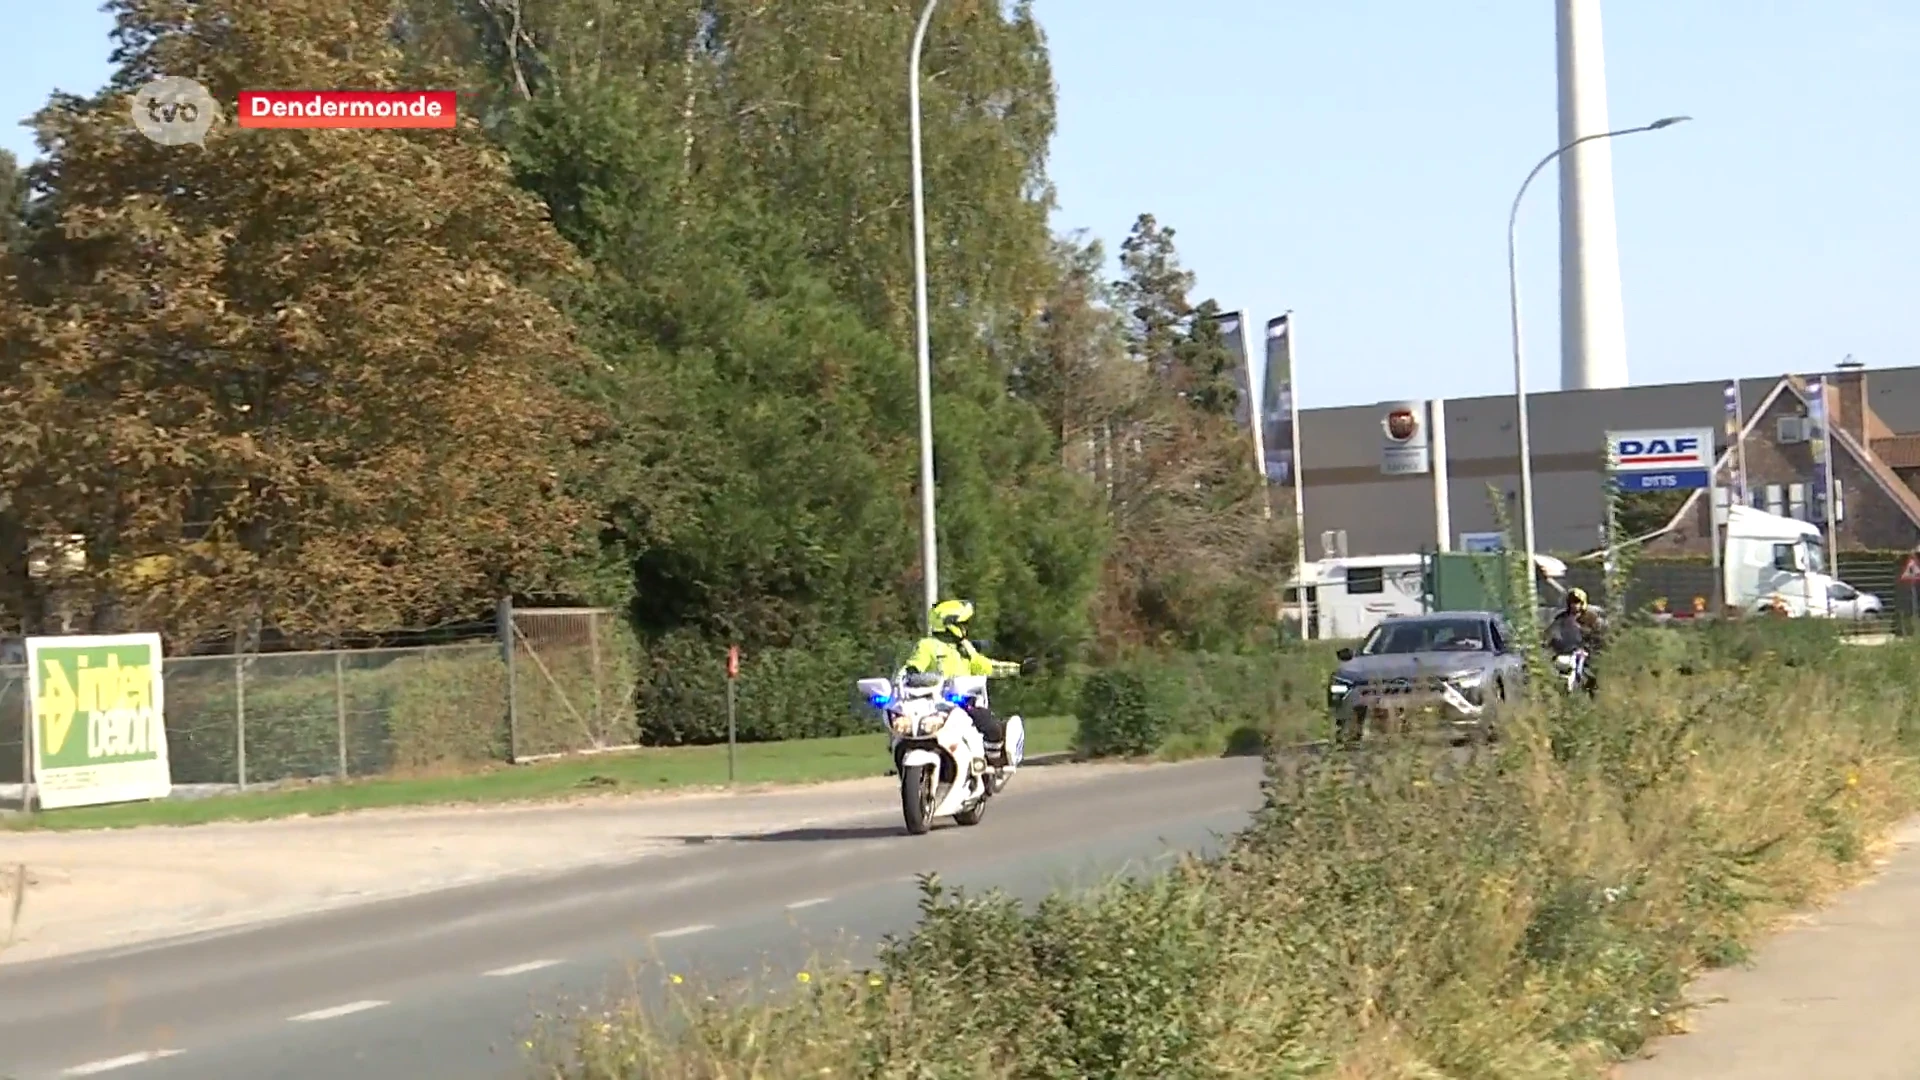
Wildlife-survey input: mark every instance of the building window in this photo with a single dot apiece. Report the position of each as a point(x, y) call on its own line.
point(1776, 499)
point(1797, 501)
point(1839, 499)
point(1363, 580)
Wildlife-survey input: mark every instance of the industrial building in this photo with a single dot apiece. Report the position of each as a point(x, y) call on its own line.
point(1876, 421)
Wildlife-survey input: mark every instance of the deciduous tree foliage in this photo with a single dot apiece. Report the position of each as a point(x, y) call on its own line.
point(639, 332)
point(304, 378)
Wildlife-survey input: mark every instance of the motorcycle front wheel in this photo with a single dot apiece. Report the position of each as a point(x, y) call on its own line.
point(916, 798)
point(972, 814)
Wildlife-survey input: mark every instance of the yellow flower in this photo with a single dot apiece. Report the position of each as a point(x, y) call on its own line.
point(675, 979)
point(1853, 779)
point(804, 977)
point(873, 980)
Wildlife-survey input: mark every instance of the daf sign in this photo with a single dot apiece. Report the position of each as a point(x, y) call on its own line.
point(1679, 459)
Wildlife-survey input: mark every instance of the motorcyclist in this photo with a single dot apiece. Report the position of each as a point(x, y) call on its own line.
point(946, 652)
point(1577, 626)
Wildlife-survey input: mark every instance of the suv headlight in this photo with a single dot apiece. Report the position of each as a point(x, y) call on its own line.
point(1468, 680)
point(1337, 688)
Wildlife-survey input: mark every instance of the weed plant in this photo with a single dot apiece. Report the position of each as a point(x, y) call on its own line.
point(1533, 910)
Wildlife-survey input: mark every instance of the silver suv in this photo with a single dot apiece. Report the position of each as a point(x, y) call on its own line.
point(1445, 671)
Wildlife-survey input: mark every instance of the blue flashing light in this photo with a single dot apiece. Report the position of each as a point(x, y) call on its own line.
point(880, 701)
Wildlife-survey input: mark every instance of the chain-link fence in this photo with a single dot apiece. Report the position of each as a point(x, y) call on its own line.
point(572, 676)
point(13, 726)
point(262, 718)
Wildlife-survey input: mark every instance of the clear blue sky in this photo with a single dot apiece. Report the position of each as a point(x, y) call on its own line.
point(1354, 161)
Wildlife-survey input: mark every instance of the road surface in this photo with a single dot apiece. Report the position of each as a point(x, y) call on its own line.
point(443, 986)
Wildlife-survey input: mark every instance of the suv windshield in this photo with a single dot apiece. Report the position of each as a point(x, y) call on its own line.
point(1427, 635)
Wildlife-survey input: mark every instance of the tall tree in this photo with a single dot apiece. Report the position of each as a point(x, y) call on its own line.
point(736, 174)
point(1195, 560)
point(1152, 291)
point(13, 202)
point(308, 378)
point(1070, 375)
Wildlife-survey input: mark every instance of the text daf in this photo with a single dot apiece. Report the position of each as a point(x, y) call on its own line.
point(1632, 448)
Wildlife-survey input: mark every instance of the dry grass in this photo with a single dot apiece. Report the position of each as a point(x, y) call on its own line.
point(1534, 913)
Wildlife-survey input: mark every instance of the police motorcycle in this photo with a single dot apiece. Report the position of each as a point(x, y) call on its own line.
point(938, 751)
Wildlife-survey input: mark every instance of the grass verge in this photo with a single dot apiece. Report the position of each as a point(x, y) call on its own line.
point(1532, 913)
point(795, 761)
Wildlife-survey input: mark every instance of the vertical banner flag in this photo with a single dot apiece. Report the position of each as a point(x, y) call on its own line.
point(1737, 461)
point(99, 734)
point(1276, 403)
point(1233, 328)
point(1817, 440)
point(1246, 411)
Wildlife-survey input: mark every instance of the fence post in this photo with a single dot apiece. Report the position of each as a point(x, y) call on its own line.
point(503, 625)
point(733, 677)
point(240, 716)
point(593, 653)
point(340, 705)
point(27, 735)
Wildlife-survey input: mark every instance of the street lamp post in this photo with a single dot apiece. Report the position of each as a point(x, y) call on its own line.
point(929, 546)
point(1519, 361)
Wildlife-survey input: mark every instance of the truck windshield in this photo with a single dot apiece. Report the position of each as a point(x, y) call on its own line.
point(1427, 635)
point(1816, 555)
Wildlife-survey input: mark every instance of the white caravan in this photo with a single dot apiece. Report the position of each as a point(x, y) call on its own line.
point(1346, 598)
point(1775, 561)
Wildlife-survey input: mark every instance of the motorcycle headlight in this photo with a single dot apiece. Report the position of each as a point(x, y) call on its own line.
point(921, 724)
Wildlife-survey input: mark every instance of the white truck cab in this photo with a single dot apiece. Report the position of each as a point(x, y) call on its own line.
point(1775, 561)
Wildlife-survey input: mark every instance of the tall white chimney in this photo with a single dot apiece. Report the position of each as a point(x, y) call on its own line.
point(1593, 332)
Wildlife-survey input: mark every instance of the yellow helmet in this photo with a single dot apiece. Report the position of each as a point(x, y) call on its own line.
point(1576, 595)
point(950, 617)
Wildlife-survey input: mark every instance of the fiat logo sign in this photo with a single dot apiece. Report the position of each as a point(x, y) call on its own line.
point(1401, 425)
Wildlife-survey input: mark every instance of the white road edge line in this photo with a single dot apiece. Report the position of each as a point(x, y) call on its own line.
point(683, 931)
point(518, 969)
point(109, 1064)
point(797, 904)
point(336, 1011)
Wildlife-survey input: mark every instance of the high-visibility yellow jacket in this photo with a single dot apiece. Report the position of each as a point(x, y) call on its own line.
point(947, 659)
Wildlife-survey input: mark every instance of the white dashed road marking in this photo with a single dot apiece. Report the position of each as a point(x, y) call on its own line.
point(797, 904)
point(519, 969)
point(338, 1010)
point(108, 1064)
point(684, 930)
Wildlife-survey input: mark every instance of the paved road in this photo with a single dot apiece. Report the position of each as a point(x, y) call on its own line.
point(442, 985)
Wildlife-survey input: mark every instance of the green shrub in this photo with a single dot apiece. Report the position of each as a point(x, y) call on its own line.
point(1209, 703)
point(1117, 717)
point(783, 693)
